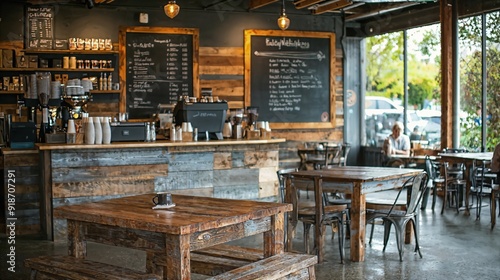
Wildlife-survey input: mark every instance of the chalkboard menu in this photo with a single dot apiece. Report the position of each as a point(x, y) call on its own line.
point(39, 27)
point(161, 64)
point(289, 76)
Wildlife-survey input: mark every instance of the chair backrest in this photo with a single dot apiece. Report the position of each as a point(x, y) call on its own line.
point(429, 168)
point(479, 179)
point(418, 186)
point(332, 155)
point(282, 173)
point(346, 147)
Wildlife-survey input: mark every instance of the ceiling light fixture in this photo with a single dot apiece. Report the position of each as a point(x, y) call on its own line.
point(283, 20)
point(171, 9)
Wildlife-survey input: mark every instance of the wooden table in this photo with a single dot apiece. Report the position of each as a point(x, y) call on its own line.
point(408, 159)
point(467, 159)
point(358, 181)
point(169, 235)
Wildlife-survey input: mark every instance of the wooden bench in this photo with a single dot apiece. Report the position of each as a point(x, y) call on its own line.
point(281, 266)
point(222, 258)
point(67, 267)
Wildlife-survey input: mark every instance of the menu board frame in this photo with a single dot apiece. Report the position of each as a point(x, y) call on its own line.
point(254, 74)
point(42, 17)
point(122, 36)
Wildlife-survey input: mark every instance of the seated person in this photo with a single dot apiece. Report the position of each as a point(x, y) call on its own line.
point(495, 162)
point(396, 144)
point(415, 135)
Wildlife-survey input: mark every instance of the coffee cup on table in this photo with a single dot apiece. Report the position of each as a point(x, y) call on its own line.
point(162, 199)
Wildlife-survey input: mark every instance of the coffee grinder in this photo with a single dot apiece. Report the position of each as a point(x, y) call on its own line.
point(236, 118)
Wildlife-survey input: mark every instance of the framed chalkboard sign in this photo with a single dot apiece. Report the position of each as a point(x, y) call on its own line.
point(289, 76)
point(39, 32)
point(157, 65)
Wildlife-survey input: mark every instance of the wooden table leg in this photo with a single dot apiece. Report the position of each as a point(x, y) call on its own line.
point(358, 227)
point(467, 188)
point(178, 257)
point(77, 247)
point(318, 229)
point(273, 239)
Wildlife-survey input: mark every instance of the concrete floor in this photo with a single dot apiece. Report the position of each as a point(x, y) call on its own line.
point(453, 246)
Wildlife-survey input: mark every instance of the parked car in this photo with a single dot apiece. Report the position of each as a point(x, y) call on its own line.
point(377, 105)
point(433, 127)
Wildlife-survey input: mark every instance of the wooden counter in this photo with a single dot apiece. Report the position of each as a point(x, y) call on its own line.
point(237, 169)
point(23, 187)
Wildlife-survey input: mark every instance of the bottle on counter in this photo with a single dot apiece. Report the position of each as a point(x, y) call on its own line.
point(173, 137)
point(98, 130)
point(148, 132)
point(89, 131)
point(106, 131)
point(153, 131)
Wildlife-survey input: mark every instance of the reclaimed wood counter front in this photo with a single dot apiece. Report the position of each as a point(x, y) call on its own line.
point(72, 174)
point(20, 201)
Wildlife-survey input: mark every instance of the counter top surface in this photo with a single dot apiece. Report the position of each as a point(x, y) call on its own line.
point(158, 143)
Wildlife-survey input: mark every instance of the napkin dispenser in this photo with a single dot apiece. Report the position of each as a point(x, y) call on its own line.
point(129, 131)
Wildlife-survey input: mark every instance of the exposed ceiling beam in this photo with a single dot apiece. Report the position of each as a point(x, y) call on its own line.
point(307, 3)
point(381, 11)
point(339, 4)
point(255, 4)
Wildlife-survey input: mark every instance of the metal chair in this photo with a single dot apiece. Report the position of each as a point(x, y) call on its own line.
point(282, 174)
point(400, 218)
point(330, 158)
point(482, 184)
point(452, 189)
point(333, 215)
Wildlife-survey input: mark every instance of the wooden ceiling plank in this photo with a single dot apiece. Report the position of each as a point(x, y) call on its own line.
point(307, 3)
point(332, 6)
point(255, 4)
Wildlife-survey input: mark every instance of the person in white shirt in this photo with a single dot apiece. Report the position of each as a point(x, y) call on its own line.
point(396, 144)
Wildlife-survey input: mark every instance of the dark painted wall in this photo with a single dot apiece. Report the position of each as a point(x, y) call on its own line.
point(216, 28)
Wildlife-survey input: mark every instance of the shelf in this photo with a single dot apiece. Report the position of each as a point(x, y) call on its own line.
point(11, 92)
point(41, 51)
point(55, 70)
point(104, 91)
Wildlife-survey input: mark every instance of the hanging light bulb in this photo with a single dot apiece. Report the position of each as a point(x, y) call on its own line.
point(283, 20)
point(171, 9)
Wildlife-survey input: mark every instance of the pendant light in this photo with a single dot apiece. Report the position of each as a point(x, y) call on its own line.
point(283, 20)
point(171, 9)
